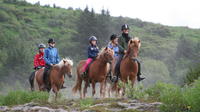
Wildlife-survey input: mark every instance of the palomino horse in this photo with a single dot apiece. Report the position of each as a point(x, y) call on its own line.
point(129, 65)
point(98, 71)
point(56, 76)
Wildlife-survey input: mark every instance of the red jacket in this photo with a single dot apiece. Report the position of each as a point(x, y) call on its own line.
point(39, 60)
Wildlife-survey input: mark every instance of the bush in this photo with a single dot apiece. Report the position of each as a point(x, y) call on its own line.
point(3, 16)
point(173, 100)
point(156, 91)
point(192, 95)
point(135, 92)
point(177, 99)
point(21, 97)
point(192, 75)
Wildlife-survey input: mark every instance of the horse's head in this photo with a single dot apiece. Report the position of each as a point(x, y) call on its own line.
point(134, 45)
point(107, 54)
point(67, 66)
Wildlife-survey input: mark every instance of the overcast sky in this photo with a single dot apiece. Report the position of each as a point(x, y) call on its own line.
point(167, 12)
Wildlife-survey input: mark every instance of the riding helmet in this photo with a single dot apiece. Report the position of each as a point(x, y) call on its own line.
point(125, 27)
point(41, 45)
point(51, 40)
point(113, 37)
point(92, 38)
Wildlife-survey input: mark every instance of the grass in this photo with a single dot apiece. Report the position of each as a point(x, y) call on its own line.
point(86, 102)
point(22, 97)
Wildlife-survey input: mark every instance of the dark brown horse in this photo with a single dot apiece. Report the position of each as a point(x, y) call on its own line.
point(98, 71)
point(128, 65)
point(56, 76)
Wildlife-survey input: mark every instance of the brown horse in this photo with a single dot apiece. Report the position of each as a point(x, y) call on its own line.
point(129, 65)
point(98, 71)
point(56, 76)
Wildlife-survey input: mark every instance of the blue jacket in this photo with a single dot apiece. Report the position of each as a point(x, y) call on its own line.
point(115, 48)
point(51, 56)
point(92, 51)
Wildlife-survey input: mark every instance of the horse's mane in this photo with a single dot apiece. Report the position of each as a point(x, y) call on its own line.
point(132, 41)
point(68, 60)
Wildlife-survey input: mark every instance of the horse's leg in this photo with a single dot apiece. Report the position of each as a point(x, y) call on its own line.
point(55, 90)
point(104, 88)
point(101, 89)
point(85, 89)
point(93, 88)
point(80, 89)
point(132, 79)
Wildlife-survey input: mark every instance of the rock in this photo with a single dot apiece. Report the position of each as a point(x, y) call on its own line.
point(29, 107)
point(3, 108)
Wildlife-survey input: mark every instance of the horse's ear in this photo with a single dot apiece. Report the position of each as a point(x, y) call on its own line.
point(106, 48)
point(131, 41)
point(64, 61)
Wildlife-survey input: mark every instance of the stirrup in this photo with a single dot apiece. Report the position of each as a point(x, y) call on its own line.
point(84, 74)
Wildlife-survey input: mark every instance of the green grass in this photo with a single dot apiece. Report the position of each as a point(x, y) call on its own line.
point(22, 97)
point(87, 102)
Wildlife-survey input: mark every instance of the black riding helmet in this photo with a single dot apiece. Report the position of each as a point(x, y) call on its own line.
point(41, 46)
point(92, 38)
point(51, 40)
point(125, 27)
point(113, 37)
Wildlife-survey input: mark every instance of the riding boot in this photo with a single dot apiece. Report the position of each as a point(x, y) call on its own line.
point(45, 77)
point(63, 87)
point(139, 78)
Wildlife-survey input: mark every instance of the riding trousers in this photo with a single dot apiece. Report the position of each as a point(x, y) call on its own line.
point(88, 61)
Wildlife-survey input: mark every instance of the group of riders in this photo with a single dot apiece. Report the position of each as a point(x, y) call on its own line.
point(48, 57)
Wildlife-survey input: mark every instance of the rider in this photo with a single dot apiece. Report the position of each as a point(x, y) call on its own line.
point(39, 57)
point(123, 43)
point(38, 62)
point(113, 44)
point(93, 51)
point(51, 58)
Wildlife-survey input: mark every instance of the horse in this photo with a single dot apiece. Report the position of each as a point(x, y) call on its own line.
point(98, 71)
point(128, 66)
point(56, 75)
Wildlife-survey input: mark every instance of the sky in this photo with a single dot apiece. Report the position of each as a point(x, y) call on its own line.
point(166, 12)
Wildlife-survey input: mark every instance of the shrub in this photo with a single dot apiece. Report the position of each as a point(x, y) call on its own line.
point(3, 16)
point(156, 90)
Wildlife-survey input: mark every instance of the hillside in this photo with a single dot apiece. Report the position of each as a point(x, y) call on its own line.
point(166, 53)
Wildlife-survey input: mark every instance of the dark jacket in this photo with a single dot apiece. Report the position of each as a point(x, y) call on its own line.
point(93, 51)
point(123, 42)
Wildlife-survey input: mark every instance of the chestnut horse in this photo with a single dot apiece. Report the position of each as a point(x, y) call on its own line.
point(98, 71)
point(56, 75)
point(129, 65)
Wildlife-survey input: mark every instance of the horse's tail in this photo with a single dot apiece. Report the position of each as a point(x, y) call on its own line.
point(31, 80)
point(78, 83)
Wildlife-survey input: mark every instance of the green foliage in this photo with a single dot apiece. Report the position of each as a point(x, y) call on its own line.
point(156, 90)
point(175, 98)
point(87, 102)
point(3, 16)
point(192, 96)
point(21, 97)
point(192, 75)
point(135, 92)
